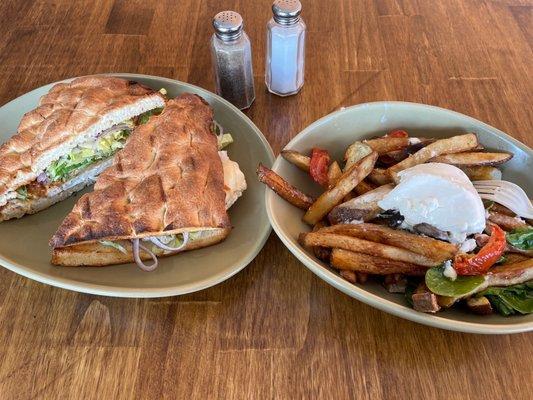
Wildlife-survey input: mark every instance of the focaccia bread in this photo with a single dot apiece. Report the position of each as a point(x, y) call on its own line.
point(69, 115)
point(167, 180)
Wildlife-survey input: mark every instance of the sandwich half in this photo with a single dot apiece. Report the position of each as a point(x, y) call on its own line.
point(164, 193)
point(70, 138)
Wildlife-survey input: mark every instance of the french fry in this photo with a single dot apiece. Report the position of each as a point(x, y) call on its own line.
point(479, 305)
point(361, 208)
point(348, 275)
point(473, 159)
point(322, 253)
point(512, 258)
point(355, 153)
point(296, 158)
point(283, 188)
point(501, 209)
point(385, 144)
point(345, 184)
point(393, 157)
point(334, 173)
point(506, 222)
point(349, 196)
point(348, 260)
point(510, 274)
point(446, 301)
point(364, 246)
point(364, 187)
point(379, 177)
point(483, 173)
point(455, 144)
point(433, 249)
point(353, 277)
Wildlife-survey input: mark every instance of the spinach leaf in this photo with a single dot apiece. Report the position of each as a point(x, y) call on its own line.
point(410, 290)
point(521, 238)
point(443, 286)
point(512, 299)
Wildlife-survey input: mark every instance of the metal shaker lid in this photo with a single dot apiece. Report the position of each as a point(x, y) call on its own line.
point(286, 12)
point(228, 25)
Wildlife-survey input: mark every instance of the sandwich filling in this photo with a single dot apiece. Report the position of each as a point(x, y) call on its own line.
point(76, 169)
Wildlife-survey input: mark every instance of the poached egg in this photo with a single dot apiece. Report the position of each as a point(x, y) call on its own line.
point(440, 195)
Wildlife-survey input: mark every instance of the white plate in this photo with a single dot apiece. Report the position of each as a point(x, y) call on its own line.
point(339, 129)
point(24, 245)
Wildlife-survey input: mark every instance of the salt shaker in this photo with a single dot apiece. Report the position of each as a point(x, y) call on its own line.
point(285, 48)
point(232, 60)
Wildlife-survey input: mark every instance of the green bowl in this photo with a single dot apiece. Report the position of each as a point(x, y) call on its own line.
point(24, 245)
point(338, 130)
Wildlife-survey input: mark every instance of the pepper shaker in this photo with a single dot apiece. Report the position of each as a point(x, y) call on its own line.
point(232, 60)
point(285, 48)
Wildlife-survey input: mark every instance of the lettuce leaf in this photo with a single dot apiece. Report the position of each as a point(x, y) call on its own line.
point(22, 193)
point(115, 245)
point(86, 154)
point(145, 117)
point(224, 140)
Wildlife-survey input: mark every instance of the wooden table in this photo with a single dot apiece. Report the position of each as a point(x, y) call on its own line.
point(275, 330)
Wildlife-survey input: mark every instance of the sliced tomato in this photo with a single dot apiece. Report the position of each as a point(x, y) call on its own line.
point(398, 133)
point(489, 254)
point(318, 167)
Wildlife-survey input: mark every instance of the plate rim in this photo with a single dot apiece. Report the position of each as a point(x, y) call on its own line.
point(354, 291)
point(136, 292)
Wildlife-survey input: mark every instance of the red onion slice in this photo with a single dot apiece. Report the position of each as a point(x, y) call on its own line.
point(42, 178)
point(220, 128)
point(135, 247)
point(163, 246)
point(116, 128)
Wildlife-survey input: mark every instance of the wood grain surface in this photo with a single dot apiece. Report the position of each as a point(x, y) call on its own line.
point(274, 330)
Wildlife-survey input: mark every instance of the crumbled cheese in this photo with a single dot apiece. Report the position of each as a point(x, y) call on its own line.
point(467, 246)
point(449, 272)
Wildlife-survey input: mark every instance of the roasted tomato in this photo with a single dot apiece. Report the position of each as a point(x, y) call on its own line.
point(398, 133)
point(318, 167)
point(480, 263)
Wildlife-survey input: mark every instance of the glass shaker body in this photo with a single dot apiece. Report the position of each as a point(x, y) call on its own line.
point(285, 58)
point(232, 62)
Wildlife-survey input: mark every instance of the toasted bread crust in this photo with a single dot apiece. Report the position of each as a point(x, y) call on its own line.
point(68, 111)
point(95, 254)
point(167, 179)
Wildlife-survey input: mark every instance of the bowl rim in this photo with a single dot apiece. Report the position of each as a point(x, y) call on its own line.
point(152, 292)
point(357, 292)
